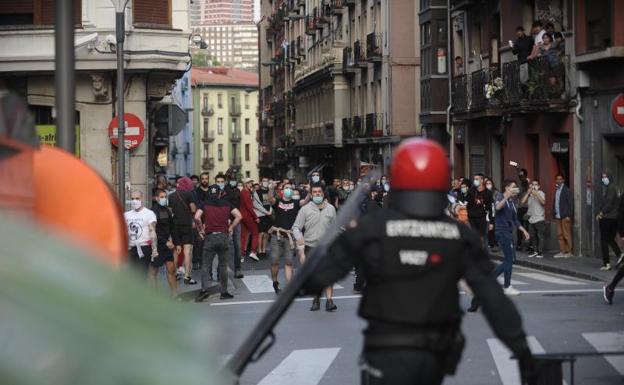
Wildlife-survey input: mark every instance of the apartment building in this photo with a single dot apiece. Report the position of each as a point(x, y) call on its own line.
point(225, 11)
point(338, 84)
point(156, 53)
point(233, 45)
point(225, 125)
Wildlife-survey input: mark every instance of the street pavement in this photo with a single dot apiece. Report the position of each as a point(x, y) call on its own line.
point(561, 314)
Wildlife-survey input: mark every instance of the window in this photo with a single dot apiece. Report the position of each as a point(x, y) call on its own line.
point(233, 125)
point(220, 152)
point(598, 24)
point(151, 13)
point(246, 102)
point(205, 101)
point(219, 101)
point(247, 174)
point(33, 12)
point(220, 126)
point(205, 126)
point(247, 152)
point(247, 126)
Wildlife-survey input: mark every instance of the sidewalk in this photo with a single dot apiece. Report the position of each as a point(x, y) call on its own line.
point(579, 267)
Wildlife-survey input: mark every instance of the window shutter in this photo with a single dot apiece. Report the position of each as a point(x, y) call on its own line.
point(152, 13)
point(8, 7)
point(46, 12)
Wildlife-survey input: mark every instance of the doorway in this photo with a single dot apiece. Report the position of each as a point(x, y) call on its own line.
point(613, 160)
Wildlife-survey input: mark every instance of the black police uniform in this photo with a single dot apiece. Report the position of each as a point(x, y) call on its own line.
point(411, 300)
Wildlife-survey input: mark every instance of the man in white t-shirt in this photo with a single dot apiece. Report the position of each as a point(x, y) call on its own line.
point(142, 240)
point(538, 32)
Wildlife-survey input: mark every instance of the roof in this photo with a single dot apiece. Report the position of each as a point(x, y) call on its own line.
point(223, 76)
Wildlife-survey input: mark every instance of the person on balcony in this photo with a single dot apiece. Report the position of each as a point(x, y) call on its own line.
point(538, 32)
point(552, 60)
point(523, 46)
point(459, 66)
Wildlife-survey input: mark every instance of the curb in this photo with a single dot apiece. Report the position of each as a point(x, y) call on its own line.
point(553, 269)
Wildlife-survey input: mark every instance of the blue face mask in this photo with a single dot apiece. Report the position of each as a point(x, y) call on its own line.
point(287, 193)
point(316, 178)
point(317, 200)
point(221, 186)
point(477, 183)
point(162, 201)
point(605, 181)
point(232, 183)
point(386, 187)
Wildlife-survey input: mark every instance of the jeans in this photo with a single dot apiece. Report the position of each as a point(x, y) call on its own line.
point(537, 231)
point(608, 230)
point(236, 247)
point(215, 244)
point(505, 242)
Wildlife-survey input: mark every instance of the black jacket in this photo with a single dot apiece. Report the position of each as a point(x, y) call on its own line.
point(609, 202)
point(479, 203)
point(522, 48)
point(566, 209)
point(412, 268)
point(233, 195)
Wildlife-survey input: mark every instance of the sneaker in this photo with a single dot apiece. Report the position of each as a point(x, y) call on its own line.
point(606, 267)
point(539, 256)
point(254, 257)
point(330, 305)
point(189, 281)
point(533, 255)
point(560, 255)
point(203, 294)
point(226, 295)
point(242, 258)
point(511, 291)
point(276, 287)
point(608, 294)
point(316, 304)
point(238, 274)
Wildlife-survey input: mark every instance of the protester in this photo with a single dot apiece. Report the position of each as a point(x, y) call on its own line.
point(201, 195)
point(233, 195)
point(310, 225)
point(249, 222)
point(195, 180)
point(523, 46)
point(342, 193)
point(142, 239)
point(164, 233)
point(607, 218)
point(183, 206)
point(536, 200)
point(479, 205)
point(263, 211)
point(489, 184)
point(562, 207)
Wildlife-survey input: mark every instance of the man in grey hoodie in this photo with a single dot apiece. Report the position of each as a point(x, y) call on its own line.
point(607, 218)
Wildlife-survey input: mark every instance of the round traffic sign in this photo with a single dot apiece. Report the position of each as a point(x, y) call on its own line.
point(135, 131)
point(617, 109)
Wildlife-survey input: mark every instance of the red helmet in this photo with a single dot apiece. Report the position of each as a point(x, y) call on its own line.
point(421, 165)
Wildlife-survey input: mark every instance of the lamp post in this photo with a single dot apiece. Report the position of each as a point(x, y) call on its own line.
point(64, 77)
point(120, 21)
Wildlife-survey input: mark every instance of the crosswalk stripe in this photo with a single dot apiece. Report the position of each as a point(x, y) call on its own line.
point(258, 283)
point(501, 280)
point(605, 342)
point(507, 367)
point(302, 367)
point(550, 279)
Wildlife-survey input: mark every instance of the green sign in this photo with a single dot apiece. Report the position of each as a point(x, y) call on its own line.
point(47, 135)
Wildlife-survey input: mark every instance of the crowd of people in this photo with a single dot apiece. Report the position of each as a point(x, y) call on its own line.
point(194, 220)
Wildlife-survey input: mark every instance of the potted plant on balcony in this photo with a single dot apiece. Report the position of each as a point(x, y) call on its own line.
point(495, 91)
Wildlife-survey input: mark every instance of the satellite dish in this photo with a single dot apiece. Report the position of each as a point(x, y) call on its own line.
point(197, 38)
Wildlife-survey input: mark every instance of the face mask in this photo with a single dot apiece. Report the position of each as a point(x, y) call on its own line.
point(162, 201)
point(605, 181)
point(135, 204)
point(232, 183)
point(383, 181)
point(221, 186)
point(488, 186)
point(386, 187)
point(515, 191)
point(351, 187)
point(316, 178)
point(265, 184)
point(296, 197)
point(287, 193)
point(317, 200)
point(464, 190)
point(477, 182)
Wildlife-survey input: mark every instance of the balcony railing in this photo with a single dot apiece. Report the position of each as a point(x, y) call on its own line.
point(208, 163)
point(373, 47)
point(347, 127)
point(347, 59)
point(208, 136)
point(479, 79)
point(461, 96)
point(358, 54)
point(236, 160)
point(235, 109)
point(235, 135)
point(337, 5)
point(207, 110)
point(350, 3)
point(375, 126)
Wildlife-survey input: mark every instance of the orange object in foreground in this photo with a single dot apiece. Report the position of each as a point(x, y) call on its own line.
point(77, 204)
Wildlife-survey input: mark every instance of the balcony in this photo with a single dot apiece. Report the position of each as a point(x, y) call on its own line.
point(461, 97)
point(310, 28)
point(347, 60)
point(350, 3)
point(208, 163)
point(358, 55)
point(373, 47)
point(235, 109)
point(336, 6)
point(235, 135)
point(374, 126)
point(207, 110)
point(208, 136)
point(347, 127)
point(236, 161)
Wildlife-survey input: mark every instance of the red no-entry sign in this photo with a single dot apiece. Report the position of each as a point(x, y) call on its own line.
point(135, 131)
point(617, 109)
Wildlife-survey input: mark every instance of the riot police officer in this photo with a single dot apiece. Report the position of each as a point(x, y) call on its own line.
point(413, 256)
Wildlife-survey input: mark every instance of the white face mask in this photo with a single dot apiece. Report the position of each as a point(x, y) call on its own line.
point(316, 178)
point(135, 204)
point(265, 184)
point(162, 201)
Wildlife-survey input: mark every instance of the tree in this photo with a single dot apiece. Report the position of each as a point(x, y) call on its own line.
point(200, 60)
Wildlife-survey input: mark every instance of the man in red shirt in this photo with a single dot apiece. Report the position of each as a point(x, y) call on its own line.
point(217, 230)
point(249, 223)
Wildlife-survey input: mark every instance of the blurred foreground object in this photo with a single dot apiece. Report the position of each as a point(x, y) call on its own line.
point(69, 318)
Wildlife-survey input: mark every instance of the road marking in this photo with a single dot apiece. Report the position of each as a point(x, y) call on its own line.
point(260, 301)
point(258, 283)
point(506, 366)
point(302, 367)
point(605, 342)
point(550, 279)
point(501, 280)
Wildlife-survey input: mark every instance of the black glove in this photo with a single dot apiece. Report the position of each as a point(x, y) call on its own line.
point(528, 368)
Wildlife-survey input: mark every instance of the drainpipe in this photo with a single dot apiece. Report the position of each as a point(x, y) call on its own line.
point(449, 128)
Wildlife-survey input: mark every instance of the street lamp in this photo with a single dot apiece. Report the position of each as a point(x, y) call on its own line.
point(64, 76)
point(120, 22)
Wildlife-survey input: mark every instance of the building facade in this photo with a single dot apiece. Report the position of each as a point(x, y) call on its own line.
point(225, 11)
point(156, 55)
point(225, 125)
point(339, 84)
point(233, 45)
